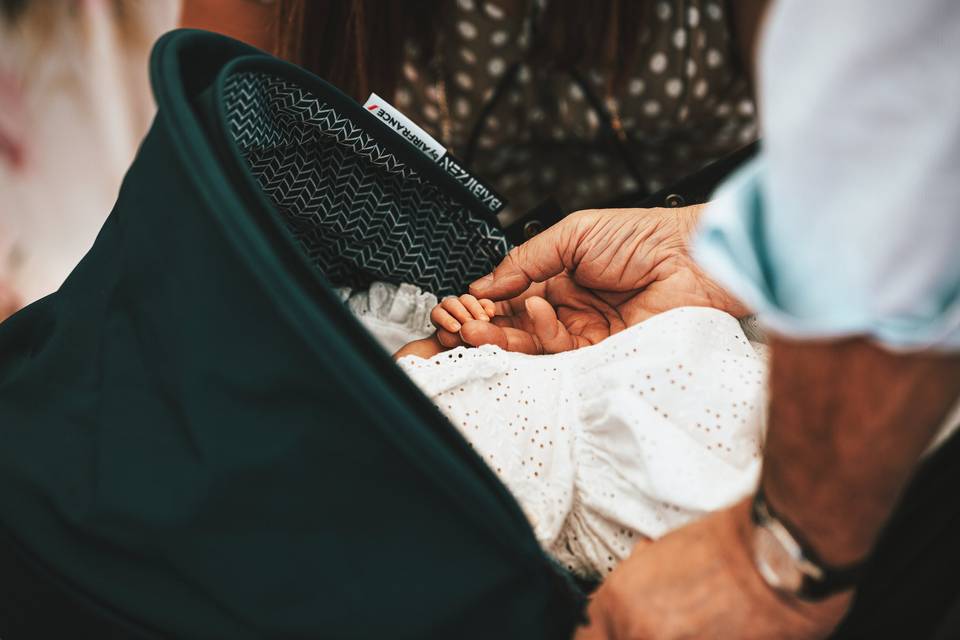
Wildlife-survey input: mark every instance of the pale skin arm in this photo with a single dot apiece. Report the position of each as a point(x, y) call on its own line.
point(9, 301)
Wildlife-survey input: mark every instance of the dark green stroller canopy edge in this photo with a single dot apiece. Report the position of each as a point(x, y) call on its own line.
point(198, 438)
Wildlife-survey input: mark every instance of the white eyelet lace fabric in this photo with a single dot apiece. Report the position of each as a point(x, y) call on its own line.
point(624, 440)
point(394, 314)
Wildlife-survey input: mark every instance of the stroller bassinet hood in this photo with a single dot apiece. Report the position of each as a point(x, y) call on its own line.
point(200, 441)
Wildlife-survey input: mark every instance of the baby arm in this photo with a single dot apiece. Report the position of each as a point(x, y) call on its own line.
point(448, 317)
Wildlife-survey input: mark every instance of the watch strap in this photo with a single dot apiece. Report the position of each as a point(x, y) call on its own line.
point(820, 580)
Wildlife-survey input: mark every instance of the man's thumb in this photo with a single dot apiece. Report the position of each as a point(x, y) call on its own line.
point(535, 260)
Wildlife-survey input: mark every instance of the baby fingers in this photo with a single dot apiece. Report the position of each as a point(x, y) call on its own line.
point(443, 319)
point(449, 339)
point(474, 307)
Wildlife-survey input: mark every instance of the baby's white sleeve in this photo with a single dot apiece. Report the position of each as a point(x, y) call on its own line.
point(515, 412)
point(676, 430)
point(626, 439)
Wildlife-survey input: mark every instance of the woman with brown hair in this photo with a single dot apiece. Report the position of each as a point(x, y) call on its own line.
point(590, 104)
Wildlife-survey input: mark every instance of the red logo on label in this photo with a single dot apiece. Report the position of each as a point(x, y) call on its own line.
point(373, 107)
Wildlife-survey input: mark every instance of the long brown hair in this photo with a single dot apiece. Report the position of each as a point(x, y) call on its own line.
point(359, 44)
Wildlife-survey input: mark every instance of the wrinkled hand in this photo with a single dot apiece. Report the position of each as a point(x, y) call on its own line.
point(700, 582)
point(598, 271)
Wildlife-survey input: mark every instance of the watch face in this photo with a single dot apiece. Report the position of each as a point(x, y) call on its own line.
point(775, 563)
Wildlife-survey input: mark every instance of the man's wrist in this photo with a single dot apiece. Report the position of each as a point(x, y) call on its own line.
point(786, 561)
point(689, 219)
point(848, 421)
point(820, 534)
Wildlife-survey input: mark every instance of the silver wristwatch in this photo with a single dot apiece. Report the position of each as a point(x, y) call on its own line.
point(788, 566)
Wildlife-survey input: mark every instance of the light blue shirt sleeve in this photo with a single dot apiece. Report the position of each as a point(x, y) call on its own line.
point(848, 223)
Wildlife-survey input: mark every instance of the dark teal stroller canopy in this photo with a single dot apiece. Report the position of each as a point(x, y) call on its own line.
point(197, 440)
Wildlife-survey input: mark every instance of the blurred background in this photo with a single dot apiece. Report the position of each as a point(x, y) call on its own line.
point(586, 104)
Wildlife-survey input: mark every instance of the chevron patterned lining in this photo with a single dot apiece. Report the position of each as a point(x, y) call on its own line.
point(358, 212)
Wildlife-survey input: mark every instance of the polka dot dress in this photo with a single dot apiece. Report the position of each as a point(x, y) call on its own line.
point(686, 105)
point(621, 441)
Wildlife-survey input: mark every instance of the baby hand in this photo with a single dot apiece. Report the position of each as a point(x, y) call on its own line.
point(448, 317)
point(453, 312)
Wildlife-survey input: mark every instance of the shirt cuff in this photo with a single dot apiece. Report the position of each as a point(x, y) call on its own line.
point(732, 248)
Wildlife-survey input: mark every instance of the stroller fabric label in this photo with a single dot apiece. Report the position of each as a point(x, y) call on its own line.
point(428, 146)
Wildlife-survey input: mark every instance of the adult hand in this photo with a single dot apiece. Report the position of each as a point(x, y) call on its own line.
point(600, 271)
point(700, 582)
point(9, 301)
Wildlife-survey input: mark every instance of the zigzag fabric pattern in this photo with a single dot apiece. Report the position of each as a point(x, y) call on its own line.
point(358, 212)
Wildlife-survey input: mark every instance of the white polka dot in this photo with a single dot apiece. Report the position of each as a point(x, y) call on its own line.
point(402, 97)
point(466, 5)
point(499, 38)
point(635, 87)
point(673, 87)
point(431, 113)
point(592, 119)
point(700, 88)
point(658, 62)
point(679, 38)
point(723, 109)
point(462, 106)
point(496, 66)
point(524, 74)
point(664, 11)
point(714, 12)
point(651, 107)
point(745, 108)
point(409, 72)
point(576, 92)
point(493, 10)
point(693, 16)
point(467, 29)
point(683, 112)
point(714, 58)
point(463, 80)
point(747, 134)
point(468, 56)
point(486, 142)
point(522, 39)
point(691, 68)
point(493, 122)
point(536, 115)
point(598, 161)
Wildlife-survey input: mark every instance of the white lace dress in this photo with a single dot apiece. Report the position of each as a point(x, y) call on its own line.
point(629, 438)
